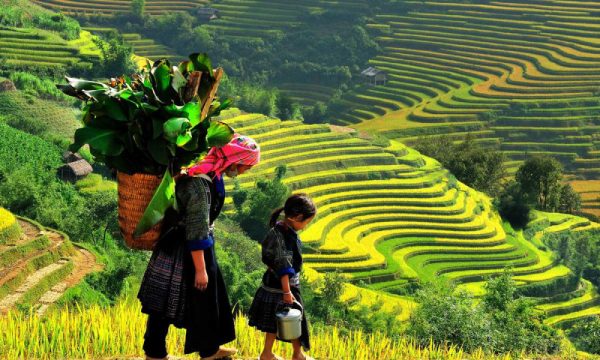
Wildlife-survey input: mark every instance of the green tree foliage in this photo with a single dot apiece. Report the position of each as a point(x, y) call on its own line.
point(473, 165)
point(21, 13)
point(580, 251)
point(539, 178)
point(254, 207)
point(516, 325)
point(586, 335)
point(499, 323)
point(40, 87)
point(239, 261)
point(137, 8)
point(259, 99)
point(116, 56)
point(323, 305)
point(569, 201)
point(513, 206)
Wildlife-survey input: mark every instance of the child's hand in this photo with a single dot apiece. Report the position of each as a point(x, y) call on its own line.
point(201, 280)
point(288, 298)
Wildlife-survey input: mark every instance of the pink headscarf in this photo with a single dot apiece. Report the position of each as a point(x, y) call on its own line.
point(240, 150)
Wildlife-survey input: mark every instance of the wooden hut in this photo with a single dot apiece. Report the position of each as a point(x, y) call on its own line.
point(74, 170)
point(374, 76)
point(207, 13)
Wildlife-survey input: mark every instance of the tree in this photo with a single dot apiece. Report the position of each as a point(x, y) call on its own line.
point(473, 165)
point(254, 207)
point(569, 200)
point(512, 204)
point(586, 335)
point(116, 56)
point(539, 178)
point(137, 8)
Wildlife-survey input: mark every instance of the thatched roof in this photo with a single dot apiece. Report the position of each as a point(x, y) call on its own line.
point(69, 156)
point(79, 167)
point(7, 85)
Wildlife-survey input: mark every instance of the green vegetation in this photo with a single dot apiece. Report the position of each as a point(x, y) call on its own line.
point(479, 168)
point(500, 323)
point(253, 207)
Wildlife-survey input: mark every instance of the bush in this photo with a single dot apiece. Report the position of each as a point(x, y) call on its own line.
point(500, 323)
point(513, 205)
point(254, 207)
point(586, 335)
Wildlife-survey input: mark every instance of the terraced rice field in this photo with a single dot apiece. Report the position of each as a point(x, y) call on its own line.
point(590, 195)
point(112, 7)
point(390, 216)
point(261, 19)
point(451, 64)
point(142, 47)
point(37, 264)
point(33, 47)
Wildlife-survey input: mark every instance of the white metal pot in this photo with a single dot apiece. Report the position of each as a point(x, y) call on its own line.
point(289, 321)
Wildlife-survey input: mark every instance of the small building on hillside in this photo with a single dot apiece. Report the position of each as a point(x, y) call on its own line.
point(7, 85)
point(207, 13)
point(75, 170)
point(69, 156)
point(374, 76)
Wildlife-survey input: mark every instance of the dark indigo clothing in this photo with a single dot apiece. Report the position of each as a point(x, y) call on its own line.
point(155, 344)
point(167, 291)
point(282, 253)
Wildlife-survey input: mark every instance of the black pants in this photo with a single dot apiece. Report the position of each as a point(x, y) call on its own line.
point(155, 344)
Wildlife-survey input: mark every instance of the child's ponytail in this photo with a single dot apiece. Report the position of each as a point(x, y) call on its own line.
point(296, 205)
point(275, 215)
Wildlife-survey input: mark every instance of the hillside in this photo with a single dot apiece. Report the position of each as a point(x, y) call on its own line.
point(25, 48)
point(530, 90)
point(390, 216)
point(113, 7)
point(37, 264)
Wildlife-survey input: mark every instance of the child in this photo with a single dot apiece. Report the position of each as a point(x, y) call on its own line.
point(282, 253)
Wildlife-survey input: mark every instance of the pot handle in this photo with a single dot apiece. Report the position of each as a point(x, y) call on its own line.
point(283, 305)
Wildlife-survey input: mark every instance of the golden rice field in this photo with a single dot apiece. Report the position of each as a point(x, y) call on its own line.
point(117, 332)
point(390, 216)
point(9, 228)
point(590, 195)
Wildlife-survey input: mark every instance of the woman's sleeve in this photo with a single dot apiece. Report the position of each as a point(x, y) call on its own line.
point(275, 255)
point(193, 202)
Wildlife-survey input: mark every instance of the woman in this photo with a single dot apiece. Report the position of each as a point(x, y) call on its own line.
point(183, 285)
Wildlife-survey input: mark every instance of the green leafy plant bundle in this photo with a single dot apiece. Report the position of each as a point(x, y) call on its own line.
point(153, 122)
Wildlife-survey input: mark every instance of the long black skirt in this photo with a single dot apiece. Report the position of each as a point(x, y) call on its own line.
point(262, 313)
point(167, 290)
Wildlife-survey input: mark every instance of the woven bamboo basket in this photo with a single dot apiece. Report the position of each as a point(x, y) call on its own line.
point(135, 192)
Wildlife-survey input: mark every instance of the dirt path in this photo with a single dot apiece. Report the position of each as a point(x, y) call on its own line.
point(85, 263)
point(10, 272)
point(11, 299)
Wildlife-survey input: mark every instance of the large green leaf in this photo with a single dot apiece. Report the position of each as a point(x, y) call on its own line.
point(202, 63)
point(163, 198)
point(215, 111)
point(174, 127)
point(113, 109)
point(158, 150)
point(219, 134)
point(184, 138)
point(193, 112)
point(81, 84)
point(179, 81)
point(162, 79)
point(104, 141)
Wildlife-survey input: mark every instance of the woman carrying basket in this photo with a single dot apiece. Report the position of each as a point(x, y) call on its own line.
point(183, 285)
